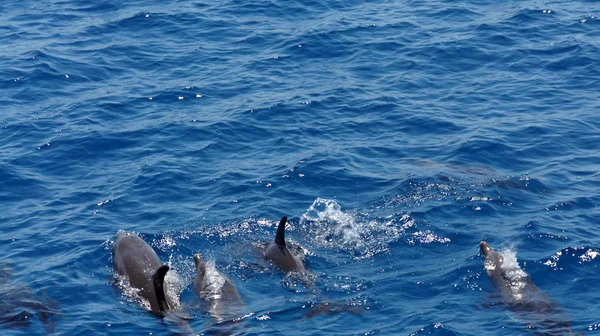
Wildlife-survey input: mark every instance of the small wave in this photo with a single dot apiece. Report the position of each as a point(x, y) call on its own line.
point(433, 329)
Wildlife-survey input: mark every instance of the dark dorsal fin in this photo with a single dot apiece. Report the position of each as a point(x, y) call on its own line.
point(158, 278)
point(280, 236)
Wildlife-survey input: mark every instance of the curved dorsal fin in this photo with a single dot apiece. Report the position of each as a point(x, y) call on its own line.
point(158, 278)
point(280, 236)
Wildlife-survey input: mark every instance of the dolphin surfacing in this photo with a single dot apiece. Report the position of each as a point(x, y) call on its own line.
point(278, 253)
point(224, 300)
point(521, 296)
point(202, 283)
point(135, 260)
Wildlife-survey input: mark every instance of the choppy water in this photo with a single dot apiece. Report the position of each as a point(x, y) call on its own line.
point(395, 135)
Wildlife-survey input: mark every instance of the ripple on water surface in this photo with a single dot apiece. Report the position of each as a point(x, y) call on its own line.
point(395, 136)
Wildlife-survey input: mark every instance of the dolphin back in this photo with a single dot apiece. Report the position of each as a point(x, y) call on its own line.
point(137, 261)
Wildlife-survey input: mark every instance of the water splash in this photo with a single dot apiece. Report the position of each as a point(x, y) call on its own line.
point(130, 293)
point(173, 288)
point(517, 278)
point(327, 225)
point(174, 285)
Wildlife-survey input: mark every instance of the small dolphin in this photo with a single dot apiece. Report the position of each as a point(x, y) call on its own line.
point(224, 300)
point(20, 305)
point(135, 260)
point(278, 253)
point(205, 286)
point(522, 296)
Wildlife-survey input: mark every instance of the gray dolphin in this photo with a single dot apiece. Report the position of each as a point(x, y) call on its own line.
point(224, 300)
point(278, 253)
point(135, 260)
point(517, 292)
point(20, 305)
point(202, 283)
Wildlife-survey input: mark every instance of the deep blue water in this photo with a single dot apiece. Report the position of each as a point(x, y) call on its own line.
point(396, 135)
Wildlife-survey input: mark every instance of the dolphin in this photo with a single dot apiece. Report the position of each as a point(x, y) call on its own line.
point(521, 296)
point(224, 300)
point(20, 305)
point(135, 260)
point(204, 283)
point(278, 253)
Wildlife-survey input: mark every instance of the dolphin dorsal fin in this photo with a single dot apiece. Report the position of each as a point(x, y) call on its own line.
point(158, 279)
point(280, 236)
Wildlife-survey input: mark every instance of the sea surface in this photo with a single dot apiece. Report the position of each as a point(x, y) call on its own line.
point(395, 135)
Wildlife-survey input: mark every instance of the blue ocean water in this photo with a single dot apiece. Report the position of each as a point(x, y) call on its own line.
point(396, 135)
